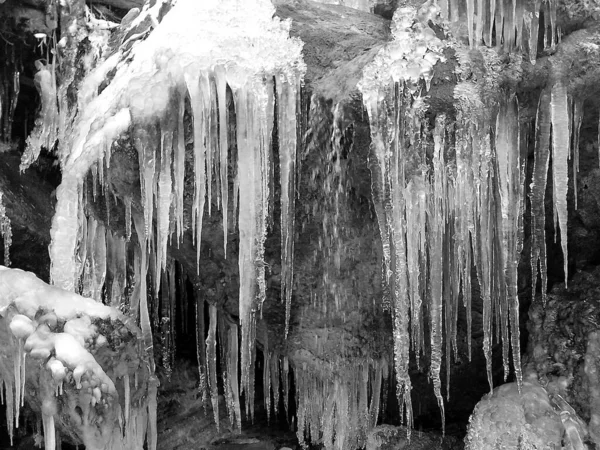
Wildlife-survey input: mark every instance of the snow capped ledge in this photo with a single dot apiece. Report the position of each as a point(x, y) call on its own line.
point(71, 359)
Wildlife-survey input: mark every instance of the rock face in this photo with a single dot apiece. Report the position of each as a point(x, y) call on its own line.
point(563, 348)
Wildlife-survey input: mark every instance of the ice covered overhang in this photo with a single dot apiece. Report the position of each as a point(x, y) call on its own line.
point(75, 362)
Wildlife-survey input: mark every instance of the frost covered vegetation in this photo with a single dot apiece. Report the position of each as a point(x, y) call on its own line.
point(213, 163)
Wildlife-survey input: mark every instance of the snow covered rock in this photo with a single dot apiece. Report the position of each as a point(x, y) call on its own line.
point(75, 362)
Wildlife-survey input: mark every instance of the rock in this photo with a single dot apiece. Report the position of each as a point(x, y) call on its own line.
point(511, 420)
point(562, 350)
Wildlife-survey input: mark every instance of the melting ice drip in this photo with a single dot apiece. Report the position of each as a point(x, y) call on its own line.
point(451, 196)
point(199, 50)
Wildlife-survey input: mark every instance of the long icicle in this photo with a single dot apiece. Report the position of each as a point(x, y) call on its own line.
point(211, 357)
point(559, 115)
point(538, 193)
point(437, 220)
point(287, 128)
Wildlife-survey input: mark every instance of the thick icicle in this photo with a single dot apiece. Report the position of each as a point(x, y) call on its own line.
point(559, 116)
point(508, 157)
point(437, 220)
point(163, 199)
point(179, 164)
point(232, 373)
point(49, 431)
point(538, 192)
point(142, 293)
point(221, 82)
point(287, 94)
point(198, 89)
point(275, 381)
point(577, 120)
point(201, 350)
point(267, 382)
point(253, 135)
point(211, 358)
point(64, 233)
point(145, 143)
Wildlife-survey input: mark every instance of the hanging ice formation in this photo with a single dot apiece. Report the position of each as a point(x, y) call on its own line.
point(255, 61)
point(508, 24)
point(450, 196)
point(338, 405)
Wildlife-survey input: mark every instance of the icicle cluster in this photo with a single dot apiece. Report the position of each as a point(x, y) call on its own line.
point(558, 123)
point(448, 197)
point(55, 344)
point(5, 232)
point(205, 51)
point(509, 24)
point(337, 409)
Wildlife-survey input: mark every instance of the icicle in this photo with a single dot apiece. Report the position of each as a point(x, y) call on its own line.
point(211, 357)
point(64, 234)
point(221, 82)
point(275, 381)
point(198, 90)
point(518, 14)
point(163, 199)
point(559, 115)
point(172, 283)
point(127, 394)
point(10, 408)
point(267, 382)
point(499, 22)
point(254, 120)
point(179, 165)
point(98, 262)
point(152, 434)
point(577, 120)
point(436, 223)
point(538, 192)
point(479, 24)
point(145, 140)
point(286, 384)
point(5, 228)
point(213, 149)
point(183, 296)
point(510, 183)
point(534, 31)
point(287, 128)
point(201, 350)
point(470, 16)
point(165, 326)
point(17, 358)
point(232, 373)
point(376, 394)
point(142, 293)
point(49, 431)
